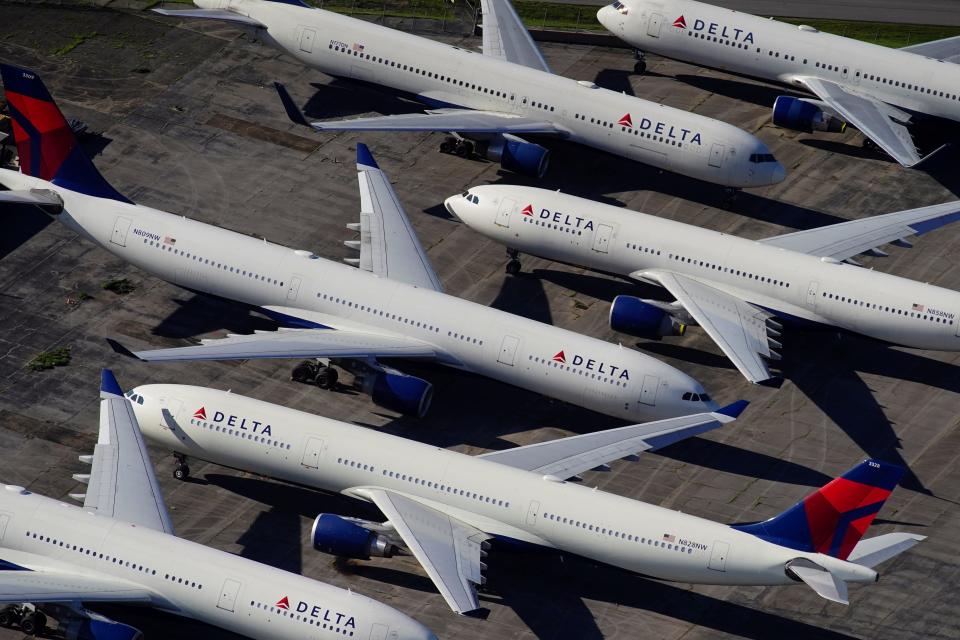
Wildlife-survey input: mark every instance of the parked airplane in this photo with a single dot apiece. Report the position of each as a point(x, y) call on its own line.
point(391, 307)
point(495, 97)
point(888, 94)
point(120, 548)
point(740, 291)
point(446, 508)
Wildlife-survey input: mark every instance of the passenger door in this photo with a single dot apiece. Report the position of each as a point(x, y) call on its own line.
point(294, 289)
point(120, 229)
point(601, 238)
point(648, 393)
point(812, 289)
point(508, 350)
point(228, 595)
point(532, 512)
point(716, 155)
point(507, 207)
point(307, 36)
point(718, 557)
point(312, 453)
point(653, 26)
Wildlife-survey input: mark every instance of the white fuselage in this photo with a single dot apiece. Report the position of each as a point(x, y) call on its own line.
point(441, 75)
point(500, 500)
point(584, 371)
point(750, 45)
point(189, 579)
point(794, 286)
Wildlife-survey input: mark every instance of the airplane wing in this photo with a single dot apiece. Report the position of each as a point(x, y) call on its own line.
point(121, 483)
point(211, 14)
point(388, 244)
point(49, 201)
point(884, 124)
point(27, 577)
point(462, 120)
point(449, 550)
point(846, 239)
point(738, 327)
point(947, 49)
point(292, 343)
point(568, 457)
point(506, 37)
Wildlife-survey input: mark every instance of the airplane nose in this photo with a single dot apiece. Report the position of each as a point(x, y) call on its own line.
point(448, 204)
point(603, 17)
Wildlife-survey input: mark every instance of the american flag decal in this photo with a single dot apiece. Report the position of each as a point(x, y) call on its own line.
point(918, 307)
point(169, 240)
point(669, 537)
point(357, 47)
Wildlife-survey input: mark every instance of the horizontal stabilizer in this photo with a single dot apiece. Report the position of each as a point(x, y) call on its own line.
point(211, 14)
point(873, 551)
point(293, 111)
point(49, 201)
point(820, 580)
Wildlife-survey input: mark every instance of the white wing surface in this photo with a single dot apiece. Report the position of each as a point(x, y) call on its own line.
point(122, 484)
point(293, 343)
point(211, 14)
point(568, 457)
point(884, 124)
point(739, 328)
point(947, 49)
point(449, 550)
point(505, 37)
point(847, 239)
point(388, 244)
point(462, 120)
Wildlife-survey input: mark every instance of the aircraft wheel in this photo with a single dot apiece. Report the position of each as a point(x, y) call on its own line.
point(448, 145)
point(464, 148)
point(327, 378)
point(303, 372)
point(869, 144)
point(640, 67)
point(513, 267)
point(9, 616)
point(33, 624)
point(181, 472)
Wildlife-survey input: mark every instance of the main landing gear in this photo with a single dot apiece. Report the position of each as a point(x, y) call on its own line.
point(640, 66)
point(730, 197)
point(30, 620)
point(318, 372)
point(869, 144)
point(513, 266)
point(181, 471)
point(458, 146)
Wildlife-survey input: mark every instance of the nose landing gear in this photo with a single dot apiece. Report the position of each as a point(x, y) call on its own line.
point(513, 266)
point(640, 66)
point(181, 471)
point(729, 197)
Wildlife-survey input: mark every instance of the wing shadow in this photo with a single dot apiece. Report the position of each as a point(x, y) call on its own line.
point(202, 314)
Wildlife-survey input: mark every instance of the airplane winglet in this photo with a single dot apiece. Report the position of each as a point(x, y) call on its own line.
point(734, 409)
point(364, 157)
point(122, 350)
point(108, 384)
point(293, 112)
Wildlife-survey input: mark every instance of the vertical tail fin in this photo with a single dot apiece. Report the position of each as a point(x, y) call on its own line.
point(833, 519)
point(47, 146)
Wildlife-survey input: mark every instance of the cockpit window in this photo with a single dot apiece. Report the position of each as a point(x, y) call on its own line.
point(619, 6)
point(704, 397)
point(688, 396)
point(465, 194)
point(760, 158)
point(696, 397)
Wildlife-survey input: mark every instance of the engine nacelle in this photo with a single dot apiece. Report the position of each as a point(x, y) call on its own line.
point(804, 115)
point(83, 624)
point(399, 392)
point(636, 317)
point(341, 537)
point(516, 154)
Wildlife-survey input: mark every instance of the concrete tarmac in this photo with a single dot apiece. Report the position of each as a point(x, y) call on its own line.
point(188, 122)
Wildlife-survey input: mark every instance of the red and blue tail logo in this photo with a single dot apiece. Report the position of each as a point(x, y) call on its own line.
point(832, 520)
point(47, 147)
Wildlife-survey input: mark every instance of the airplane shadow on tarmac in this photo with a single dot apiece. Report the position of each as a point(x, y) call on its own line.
point(546, 591)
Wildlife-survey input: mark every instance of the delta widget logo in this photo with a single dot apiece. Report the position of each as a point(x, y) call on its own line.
point(527, 210)
point(283, 603)
point(626, 121)
point(560, 357)
point(680, 22)
point(201, 413)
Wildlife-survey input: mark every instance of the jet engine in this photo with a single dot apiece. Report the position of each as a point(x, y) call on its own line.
point(391, 389)
point(640, 318)
point(805, 115)
point(343, 537)
point(516, 154)
point(82, 624)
